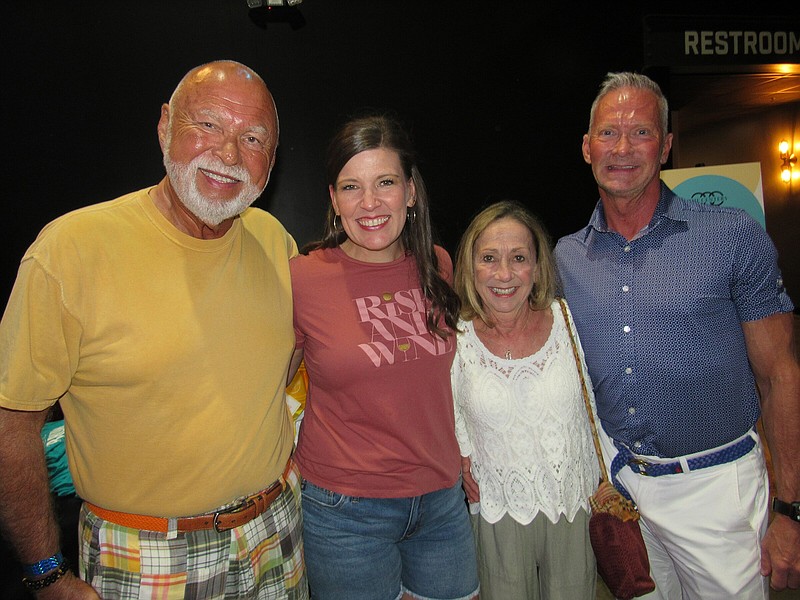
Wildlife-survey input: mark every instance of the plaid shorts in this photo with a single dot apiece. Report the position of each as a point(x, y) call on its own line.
point(261, 560)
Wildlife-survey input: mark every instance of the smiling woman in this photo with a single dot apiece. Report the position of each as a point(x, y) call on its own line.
point(374, 319)
point(528, 461)
point(371, 196)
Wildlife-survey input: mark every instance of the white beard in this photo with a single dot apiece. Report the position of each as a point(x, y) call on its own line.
point(210, 212)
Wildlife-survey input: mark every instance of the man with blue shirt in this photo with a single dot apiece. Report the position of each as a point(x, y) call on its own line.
point(687, 330)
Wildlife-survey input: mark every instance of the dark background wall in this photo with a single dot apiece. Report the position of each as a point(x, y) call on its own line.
point(496, 94)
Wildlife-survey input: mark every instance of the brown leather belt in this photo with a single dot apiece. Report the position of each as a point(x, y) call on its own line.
point(221, 520)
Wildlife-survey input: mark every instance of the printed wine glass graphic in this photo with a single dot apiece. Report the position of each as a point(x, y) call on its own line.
point(403, 347)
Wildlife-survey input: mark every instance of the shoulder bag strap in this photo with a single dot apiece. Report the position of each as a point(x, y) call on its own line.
point(584, 390)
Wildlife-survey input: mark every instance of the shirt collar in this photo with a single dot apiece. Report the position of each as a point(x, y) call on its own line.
point(667, 207)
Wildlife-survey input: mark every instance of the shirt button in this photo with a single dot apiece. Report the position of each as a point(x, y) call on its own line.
point(625, 288)
point(626, 329)
point(628, 371)
point(632, 410)
point(626, 249)
point(637, 445)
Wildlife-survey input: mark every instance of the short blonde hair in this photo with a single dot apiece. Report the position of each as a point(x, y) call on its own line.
point(544, 290)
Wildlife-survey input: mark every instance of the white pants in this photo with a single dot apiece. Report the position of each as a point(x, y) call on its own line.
point(703, 529)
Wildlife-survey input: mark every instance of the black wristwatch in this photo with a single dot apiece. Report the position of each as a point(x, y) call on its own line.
point(790, 509)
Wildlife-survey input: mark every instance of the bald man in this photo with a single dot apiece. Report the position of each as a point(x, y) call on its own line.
point(161, 322)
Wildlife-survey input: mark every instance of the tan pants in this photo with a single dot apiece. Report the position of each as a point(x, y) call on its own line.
point(538, 561)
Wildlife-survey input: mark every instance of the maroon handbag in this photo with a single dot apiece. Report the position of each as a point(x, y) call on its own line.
point(614, 525)
point(618, 545)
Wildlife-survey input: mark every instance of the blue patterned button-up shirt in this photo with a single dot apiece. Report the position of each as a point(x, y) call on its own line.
point(660, 318)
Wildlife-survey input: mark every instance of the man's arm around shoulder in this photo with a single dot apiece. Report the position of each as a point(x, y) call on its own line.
point(770, 347)
point(27, 518)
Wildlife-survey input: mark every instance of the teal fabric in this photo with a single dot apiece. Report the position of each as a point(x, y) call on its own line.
point(55, 453)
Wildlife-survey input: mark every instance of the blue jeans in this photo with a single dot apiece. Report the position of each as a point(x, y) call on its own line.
point(378, 548)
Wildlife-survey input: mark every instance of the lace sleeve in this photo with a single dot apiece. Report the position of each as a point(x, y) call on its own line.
point(456, 374)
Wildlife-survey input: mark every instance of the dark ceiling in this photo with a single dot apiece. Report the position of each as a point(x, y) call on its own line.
point(704, 98)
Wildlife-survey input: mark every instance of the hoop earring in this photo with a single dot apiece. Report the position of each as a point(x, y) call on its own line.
point(411, 215)
point(335, 227)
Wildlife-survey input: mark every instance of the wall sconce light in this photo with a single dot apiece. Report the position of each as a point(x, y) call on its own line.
point(788, 160)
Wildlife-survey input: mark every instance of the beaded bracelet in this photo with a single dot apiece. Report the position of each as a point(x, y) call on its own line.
point(38, 584)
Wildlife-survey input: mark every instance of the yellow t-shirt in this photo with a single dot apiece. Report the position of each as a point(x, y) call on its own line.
point(168, 354)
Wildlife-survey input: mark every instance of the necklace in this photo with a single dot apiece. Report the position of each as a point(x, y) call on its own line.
point(508, 354)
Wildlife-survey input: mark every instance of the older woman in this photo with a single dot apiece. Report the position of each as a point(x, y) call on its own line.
point(385, 515)
point(528, 462)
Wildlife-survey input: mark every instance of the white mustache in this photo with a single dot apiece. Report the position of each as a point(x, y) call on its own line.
point(232, 171)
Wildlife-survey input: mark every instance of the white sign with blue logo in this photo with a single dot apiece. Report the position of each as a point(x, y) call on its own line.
point(735, 186)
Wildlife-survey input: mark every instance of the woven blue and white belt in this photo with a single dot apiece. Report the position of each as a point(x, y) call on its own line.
point(724, 455)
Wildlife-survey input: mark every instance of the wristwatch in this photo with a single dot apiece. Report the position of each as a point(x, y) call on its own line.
point(790, 509)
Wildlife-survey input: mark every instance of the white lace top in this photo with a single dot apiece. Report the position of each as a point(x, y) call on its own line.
point(524, 425)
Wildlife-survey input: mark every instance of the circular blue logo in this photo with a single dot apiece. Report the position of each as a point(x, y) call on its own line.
point(716, 190)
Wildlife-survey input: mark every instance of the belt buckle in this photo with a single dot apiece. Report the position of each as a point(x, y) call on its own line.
point(243, 505)
point(641, 464)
